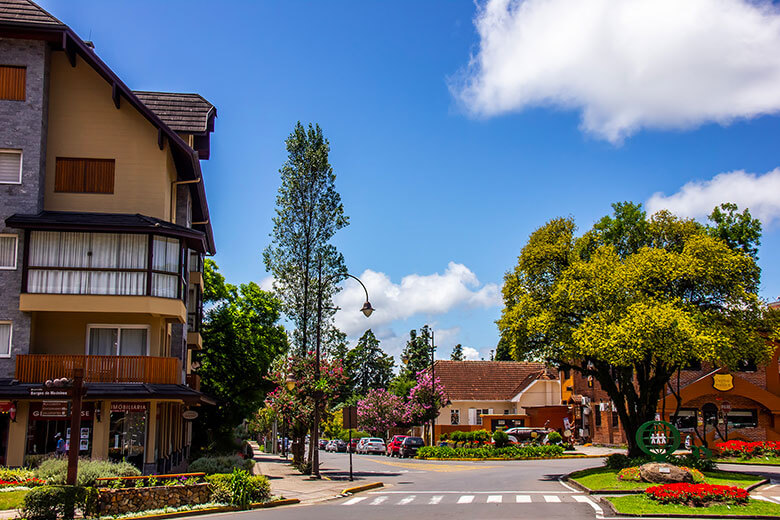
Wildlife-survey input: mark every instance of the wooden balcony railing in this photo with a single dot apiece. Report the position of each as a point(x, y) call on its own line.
point(37, 368)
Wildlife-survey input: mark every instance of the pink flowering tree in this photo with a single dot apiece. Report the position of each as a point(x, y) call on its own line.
point(426, 398)
point(379, 411)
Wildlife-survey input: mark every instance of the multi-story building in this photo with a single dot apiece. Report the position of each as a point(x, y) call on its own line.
point(103, 229)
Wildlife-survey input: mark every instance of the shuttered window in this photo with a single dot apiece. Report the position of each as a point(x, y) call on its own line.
point(5, 338)
point(8, 251)
point(10, 166)
point(84, 175)
point(12, 81)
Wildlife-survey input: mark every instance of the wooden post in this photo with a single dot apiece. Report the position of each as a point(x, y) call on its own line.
point(75, 426)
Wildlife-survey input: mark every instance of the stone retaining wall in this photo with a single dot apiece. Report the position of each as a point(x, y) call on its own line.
point(120, 501)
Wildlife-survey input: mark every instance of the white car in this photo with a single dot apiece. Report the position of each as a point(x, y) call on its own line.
point(371, 445)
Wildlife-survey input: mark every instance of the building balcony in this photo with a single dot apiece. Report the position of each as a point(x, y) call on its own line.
point(164, 307)
point(38, 368)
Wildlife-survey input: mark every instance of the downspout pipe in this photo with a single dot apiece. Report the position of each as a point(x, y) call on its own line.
point(174, 185)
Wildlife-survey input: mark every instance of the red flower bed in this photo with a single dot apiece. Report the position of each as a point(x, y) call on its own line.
point(30, 482)
point(697, 495)
point(748, 449)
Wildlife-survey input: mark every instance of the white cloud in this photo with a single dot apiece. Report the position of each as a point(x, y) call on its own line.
point(429, 295)
point(471, 354)
point(626, 64)
point(267, 283)
point(747, 190)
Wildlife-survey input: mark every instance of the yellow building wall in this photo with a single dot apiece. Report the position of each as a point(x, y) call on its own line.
point(84, 123)
point(17, 435)
point(464, 406)
point(66, 333)
point(541, 393)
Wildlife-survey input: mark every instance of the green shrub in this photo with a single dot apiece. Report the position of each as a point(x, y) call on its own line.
point(631, 474)
point(15, 475)
point(500, 439)
point(52, 502)
point(211, 465)
point(221, 491)
point(489, 452)
point(444, 436)
point(618, 461)
point(691, 461)
point(33, 461)
point(554, 438)
point(55, 471)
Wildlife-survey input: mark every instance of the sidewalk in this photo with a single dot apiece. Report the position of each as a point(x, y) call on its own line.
point(288, 482)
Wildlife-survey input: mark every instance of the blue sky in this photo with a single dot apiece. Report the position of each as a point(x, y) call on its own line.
point(457, 129)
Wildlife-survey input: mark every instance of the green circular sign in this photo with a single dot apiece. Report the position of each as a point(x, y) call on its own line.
point(658, 439)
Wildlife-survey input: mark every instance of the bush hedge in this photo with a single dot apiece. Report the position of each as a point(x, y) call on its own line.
point(52, 502)
point(55, 471)
point(226, 490)
point(212, 465)
point(489, 452)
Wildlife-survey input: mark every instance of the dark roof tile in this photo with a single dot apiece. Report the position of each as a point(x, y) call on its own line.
point(189, 113)
point(25, 12)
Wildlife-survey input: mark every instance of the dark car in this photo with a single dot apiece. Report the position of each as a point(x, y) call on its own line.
point(410, 445)
point(323, 443)
point(394, 446)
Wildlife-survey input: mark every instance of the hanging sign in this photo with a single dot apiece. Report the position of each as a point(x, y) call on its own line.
point(189, 415)
point(723, 382)
point(47, 392)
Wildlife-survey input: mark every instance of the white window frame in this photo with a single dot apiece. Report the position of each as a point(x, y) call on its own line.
point(119, 326)
point(10, 338)
point(16, 252)
point(21, 162)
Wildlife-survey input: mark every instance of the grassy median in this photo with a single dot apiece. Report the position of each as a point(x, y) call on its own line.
point(606, 479)
point(641, 505)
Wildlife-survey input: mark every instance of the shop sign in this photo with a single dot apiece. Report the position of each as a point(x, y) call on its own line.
point(54, 410)
point(129, 407)
point(47, 392)
point(189, 415)
point(723, 382)
point(725, 407)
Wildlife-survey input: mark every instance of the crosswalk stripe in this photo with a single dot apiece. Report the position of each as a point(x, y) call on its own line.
point(523, 499)
point(552, 498)
point(435, 499)
point(494, 499)
point(406, 500)
point(378, 500)
point(466, 499)
point(354, 500)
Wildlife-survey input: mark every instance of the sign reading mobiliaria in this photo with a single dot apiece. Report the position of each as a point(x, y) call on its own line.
point(129, 407)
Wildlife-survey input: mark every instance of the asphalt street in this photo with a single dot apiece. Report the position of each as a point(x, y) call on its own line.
point(452, 490)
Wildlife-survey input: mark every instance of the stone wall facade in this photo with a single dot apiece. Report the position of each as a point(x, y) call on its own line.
point(24, 128)
point(120, 501)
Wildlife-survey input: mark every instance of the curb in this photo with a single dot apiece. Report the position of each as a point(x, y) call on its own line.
point(364, 487)
point(614, 510)
point(748, 463)
point(223, 509)
point(492, 459)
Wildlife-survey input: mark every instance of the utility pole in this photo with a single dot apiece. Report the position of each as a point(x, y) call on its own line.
point(75, 426)
point(433, 389)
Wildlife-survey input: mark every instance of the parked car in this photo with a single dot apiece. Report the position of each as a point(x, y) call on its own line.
point(522, 434)
point(336, 445)
point(371, 445)
point(410, 445)
point(352, 445)
point(394, 446)
point(323, 443)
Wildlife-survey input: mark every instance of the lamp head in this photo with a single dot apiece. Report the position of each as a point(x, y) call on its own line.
point(367, 309)
point(290, 383)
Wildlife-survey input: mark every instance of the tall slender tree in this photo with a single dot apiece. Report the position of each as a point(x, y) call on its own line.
point(416, 356)
point(308, 214)
point(457, 353)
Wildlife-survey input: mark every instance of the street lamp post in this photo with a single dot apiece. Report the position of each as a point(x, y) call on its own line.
point(433, 389)
point(367, 310)
point(289, 383)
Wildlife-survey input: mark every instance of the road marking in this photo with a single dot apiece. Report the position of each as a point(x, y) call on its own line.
point(523, 499)
point(378, 500)
point(355, 500)
point(475, 492)
point(406, 500)
point(585, 500)
point(435, 499)
point(564, 484)
point(466, 499)
point(494, 499)
point(552, 498)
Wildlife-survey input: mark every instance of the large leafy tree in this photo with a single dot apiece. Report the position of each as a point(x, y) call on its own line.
point(241, 338)
point(308, 214)
point(632, 301)
point(379, 411)
point(368, 367)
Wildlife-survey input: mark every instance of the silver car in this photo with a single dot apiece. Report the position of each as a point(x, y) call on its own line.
point(371, 445)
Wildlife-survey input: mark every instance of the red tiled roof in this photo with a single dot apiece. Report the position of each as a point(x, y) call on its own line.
point(489, 380)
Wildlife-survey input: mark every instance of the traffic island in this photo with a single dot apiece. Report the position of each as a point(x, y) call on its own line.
point(604, 481)
point(640, 505)
point(364, 487)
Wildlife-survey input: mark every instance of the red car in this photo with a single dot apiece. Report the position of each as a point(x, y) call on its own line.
point(394, 446)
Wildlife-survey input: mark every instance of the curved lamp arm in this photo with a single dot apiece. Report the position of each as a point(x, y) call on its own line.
point(367, 309)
